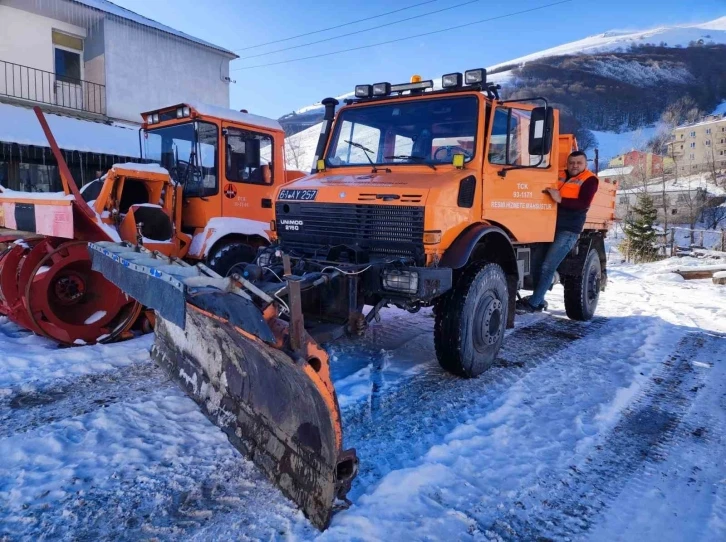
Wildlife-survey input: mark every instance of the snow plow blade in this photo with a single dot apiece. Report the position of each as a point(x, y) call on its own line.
point(224, 344)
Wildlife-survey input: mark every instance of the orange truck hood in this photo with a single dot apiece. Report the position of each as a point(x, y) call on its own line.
point(411, 187)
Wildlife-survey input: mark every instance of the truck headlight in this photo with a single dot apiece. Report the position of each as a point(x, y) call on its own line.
point(401, 281)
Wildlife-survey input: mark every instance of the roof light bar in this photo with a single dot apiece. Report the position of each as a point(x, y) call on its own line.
point(363, 91)
point(475, 77)
point(451, 80)
point(423, 85)
point(381, 89)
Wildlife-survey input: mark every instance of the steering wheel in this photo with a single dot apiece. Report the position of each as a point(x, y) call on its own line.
point(451, 150)
point(183, 168)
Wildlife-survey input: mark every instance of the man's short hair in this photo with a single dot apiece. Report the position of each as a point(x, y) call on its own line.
point(578, 153)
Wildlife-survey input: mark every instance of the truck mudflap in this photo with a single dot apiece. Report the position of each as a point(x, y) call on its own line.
point(265, 383)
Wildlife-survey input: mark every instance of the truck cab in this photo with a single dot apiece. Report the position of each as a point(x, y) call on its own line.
point(229, 164)
point(427, 194)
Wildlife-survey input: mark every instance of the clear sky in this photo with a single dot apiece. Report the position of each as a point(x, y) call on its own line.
point(276, 90)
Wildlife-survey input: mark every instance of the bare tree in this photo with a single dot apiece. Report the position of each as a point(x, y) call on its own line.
point(712, 165)
point(293, 150)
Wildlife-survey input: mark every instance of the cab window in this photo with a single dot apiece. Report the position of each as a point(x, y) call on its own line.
point(189, 152)
point(509, 141)
point(408, 132)
point(249, 157)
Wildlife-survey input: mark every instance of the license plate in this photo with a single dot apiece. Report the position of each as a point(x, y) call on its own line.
point(289, 194)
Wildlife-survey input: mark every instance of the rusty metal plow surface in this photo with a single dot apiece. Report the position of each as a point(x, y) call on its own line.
point(230, 352)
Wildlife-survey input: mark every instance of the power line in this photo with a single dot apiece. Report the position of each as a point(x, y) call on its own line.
point(406, 38)
point(360, 31)
point(335, 27)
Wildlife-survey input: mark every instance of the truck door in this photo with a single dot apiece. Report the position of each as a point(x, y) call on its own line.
point(201, 201)
point(514, 179)
point(250, 160)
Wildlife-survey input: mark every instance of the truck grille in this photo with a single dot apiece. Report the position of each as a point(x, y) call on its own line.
point(379, 230)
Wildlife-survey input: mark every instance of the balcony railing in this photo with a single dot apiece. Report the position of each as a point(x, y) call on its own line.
point(25, 83)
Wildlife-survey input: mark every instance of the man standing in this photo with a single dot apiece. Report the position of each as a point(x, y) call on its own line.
point(573, 195)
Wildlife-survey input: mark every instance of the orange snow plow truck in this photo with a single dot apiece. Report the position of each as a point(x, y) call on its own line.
point(418, 198)
point(206, 196)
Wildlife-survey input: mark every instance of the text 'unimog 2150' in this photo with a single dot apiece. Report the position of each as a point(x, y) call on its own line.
point(419, 197)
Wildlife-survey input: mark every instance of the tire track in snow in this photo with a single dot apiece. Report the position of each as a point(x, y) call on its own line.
point(685, 479)
point(649, 427)
point(26, 410)
point(433, 402)
point(465, 447)
point(149, 468)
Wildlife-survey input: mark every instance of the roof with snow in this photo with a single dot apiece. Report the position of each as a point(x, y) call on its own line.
point(711, 119)
point(20, 125)
point(698, 181)
point(123, 13)
point(615, 172)
point(233, 115)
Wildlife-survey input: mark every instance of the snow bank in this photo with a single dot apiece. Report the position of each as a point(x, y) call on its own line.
point(27, 360)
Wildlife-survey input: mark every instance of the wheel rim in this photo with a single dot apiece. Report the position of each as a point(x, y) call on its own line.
point(69, 288)
point(593, 286)
point(487, 323)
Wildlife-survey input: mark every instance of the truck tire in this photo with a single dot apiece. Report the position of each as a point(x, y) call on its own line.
point(229, 255)
point(471, 319)
point(583, 291)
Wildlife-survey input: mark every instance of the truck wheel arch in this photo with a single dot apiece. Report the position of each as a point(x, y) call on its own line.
point(255, 241)
point(485, 242)
point(479, 242)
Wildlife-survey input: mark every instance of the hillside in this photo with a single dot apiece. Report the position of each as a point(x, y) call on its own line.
point(622, 91)
point(614, 41)
point(612, 87)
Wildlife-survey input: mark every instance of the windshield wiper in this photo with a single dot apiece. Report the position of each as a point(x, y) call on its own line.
point(409, 157)
point(367, 151)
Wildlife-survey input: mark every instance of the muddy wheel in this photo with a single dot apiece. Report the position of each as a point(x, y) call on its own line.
point(583, 291)
point(231, 254)
point(471, 319)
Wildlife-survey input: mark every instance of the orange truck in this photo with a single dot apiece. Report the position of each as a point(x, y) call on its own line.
point(418, 198)
point(205, 195)
point(437, 198)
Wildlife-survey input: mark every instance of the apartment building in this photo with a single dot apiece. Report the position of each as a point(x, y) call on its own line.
point(700, 147)
point(93, 67)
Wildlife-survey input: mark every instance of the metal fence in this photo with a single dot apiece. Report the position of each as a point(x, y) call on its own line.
point(25, 83)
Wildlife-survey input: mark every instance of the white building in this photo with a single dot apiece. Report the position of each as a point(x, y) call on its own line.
point(683, 200)
point(94, 61)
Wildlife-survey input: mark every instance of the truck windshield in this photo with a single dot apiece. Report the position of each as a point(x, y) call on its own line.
point(428, 131)
point(189, 152)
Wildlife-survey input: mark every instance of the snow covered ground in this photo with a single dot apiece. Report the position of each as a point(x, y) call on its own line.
point(609, 430)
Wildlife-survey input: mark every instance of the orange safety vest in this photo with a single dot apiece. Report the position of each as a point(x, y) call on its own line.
point(570, 188)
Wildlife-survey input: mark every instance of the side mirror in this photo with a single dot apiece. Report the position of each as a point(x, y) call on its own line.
point(541, 127)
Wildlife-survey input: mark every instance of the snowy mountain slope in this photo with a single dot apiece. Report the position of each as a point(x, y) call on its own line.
point(673, 36)
point(640, 71)
point(712, 31)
